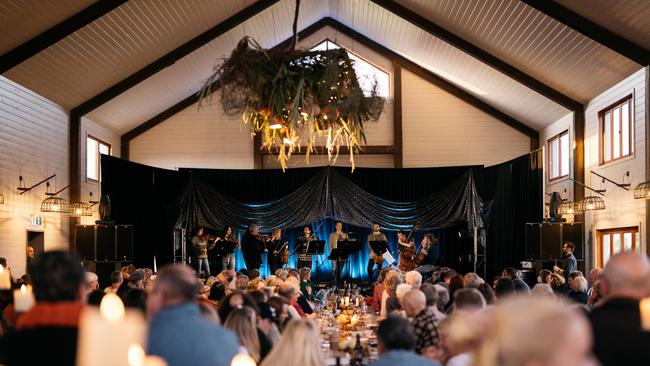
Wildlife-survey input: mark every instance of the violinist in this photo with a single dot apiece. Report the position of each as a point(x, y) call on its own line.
point(200, 245)
point(375, 258)
point(277, 250)
point(304, 259)
point(228, 253)
point(253, 245)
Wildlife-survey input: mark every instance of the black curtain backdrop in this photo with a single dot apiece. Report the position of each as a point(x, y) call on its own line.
point(149, 198)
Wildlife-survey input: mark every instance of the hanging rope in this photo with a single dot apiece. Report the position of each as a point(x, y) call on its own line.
point(294, 41)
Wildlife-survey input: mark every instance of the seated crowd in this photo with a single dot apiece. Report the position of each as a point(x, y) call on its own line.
point(449, 319)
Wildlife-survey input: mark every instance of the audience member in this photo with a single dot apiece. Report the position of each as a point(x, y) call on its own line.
point(542, 290)
point(281, 310)
point(136, 299)
point(385, 295)
point(455, 284)
point(301, 300)
point(242, 282)
point(92, 282)
point(217, 293)
point(289, 294)
point(504, 287)
point(535, 331)
point(468, 300)
point(268, 323)
point(396, 341)
point(116, 282)
point(616, 321)
point(443, 297)
point(513, 274)
point(594, 275)
point(544, 276)
point(305, 283)
point(177, 332)
point(401, 290)
point(595, 296)
point(243, 322)
point(392, 303)
point(445, 276)
point(579, 290)
point(209, 313)
point(136, 279)
point(431, 293)
point(231, 302)
point(472, 280)
point(378, 290)
point(414, 278)
point(95, 297)
point(424, 323)
point(460, 335)
point(300, 334)
point(487, 292)
point(59, 287)
point(558, 283)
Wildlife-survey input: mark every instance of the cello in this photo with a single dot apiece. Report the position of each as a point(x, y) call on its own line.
point(407, 254)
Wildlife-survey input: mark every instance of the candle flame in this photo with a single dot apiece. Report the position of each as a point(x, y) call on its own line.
point(242, 360)
point(111, 308)
point(1, 268)
point(23, 289)
point(136, 355)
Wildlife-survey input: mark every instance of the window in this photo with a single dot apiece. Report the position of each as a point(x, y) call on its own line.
point(612, 241)
point(367, 73)
point(616, 130)
point(95, 147)
point(558, 156)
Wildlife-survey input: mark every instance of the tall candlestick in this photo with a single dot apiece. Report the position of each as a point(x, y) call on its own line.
point(5, 278)
point(110, 336)
point(644, 308)
point(155, 267)
point(23, 299)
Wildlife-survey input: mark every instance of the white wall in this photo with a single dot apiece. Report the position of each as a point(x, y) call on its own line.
point(622, 210)
point(563, 185)
point(442, 130)
point(34, 144)
point(205, 138)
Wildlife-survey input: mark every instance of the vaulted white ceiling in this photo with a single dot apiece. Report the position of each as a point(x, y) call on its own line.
point(138, 32)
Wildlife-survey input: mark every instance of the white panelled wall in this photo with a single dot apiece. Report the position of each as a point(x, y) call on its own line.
point(622, 210)
point(34, 144)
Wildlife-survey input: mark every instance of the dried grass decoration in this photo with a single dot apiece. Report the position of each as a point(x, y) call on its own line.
point(294, 97)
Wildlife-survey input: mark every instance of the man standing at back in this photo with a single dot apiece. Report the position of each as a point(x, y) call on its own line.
point(618, 337)
point(177, 331)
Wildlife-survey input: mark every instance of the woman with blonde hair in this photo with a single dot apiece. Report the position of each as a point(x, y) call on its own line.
point(535, 331)
point(298, 346)
point(243, 322)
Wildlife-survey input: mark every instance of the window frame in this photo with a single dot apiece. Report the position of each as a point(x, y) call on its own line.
point(550, 157)
point(634, 230)
point(99, 143)
point(628, 99)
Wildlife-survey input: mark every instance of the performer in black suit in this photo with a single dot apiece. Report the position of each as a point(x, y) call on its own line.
point(252, 247)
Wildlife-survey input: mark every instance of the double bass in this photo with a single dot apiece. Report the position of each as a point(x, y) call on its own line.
point(407, 254)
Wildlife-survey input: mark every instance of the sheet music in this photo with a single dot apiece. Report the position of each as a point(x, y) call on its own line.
point(388, 257)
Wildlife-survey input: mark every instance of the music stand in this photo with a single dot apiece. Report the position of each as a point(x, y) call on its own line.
point(341, 254)
point(315, 247)
point(225, 247)
point(378, 246)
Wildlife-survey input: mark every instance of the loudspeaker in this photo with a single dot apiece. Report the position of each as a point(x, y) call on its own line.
point(105, 243)
point(85, 242)
point(544, 240)
point(124, 242)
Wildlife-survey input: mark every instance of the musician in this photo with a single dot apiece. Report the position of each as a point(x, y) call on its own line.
point(228, 253)
point(427, 254)
point(277, 251)
point(406, 247)
point(375, 258)
point(304, 259)
point(252, 245)
point(200, 245)
point(333, 244)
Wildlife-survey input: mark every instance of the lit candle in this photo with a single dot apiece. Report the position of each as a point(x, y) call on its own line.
point(155, 267)
point(644, 307)
point(111, 335)
point(23, 299)
point(354, 319)
point(356, 301)
point(242, 360)
point(137, 357)
point(347, 300)
point(5, 278)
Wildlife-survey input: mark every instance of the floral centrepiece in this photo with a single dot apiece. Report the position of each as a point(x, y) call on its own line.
point(294, 97)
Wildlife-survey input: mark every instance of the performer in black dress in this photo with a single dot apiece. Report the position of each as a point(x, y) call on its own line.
point(278, 251)
point(252, 247)
point(304, 259)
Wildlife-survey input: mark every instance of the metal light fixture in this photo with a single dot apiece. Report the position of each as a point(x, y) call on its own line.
point(592, 203)
point(569, 208)
point(642, 191)
point(78, 209)
point(53, 203)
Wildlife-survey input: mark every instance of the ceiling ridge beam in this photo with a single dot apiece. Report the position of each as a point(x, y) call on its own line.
point(367, 42)
point(593, 30)
point(479, 53)
point(194, 98)
point(171, 57)
point(56, 33)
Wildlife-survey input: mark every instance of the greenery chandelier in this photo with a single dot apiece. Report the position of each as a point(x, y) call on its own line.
point(293, 97)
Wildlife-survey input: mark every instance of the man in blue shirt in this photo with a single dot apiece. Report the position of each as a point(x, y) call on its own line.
point(177, 332)
point(396, 341)
point(570, 262)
